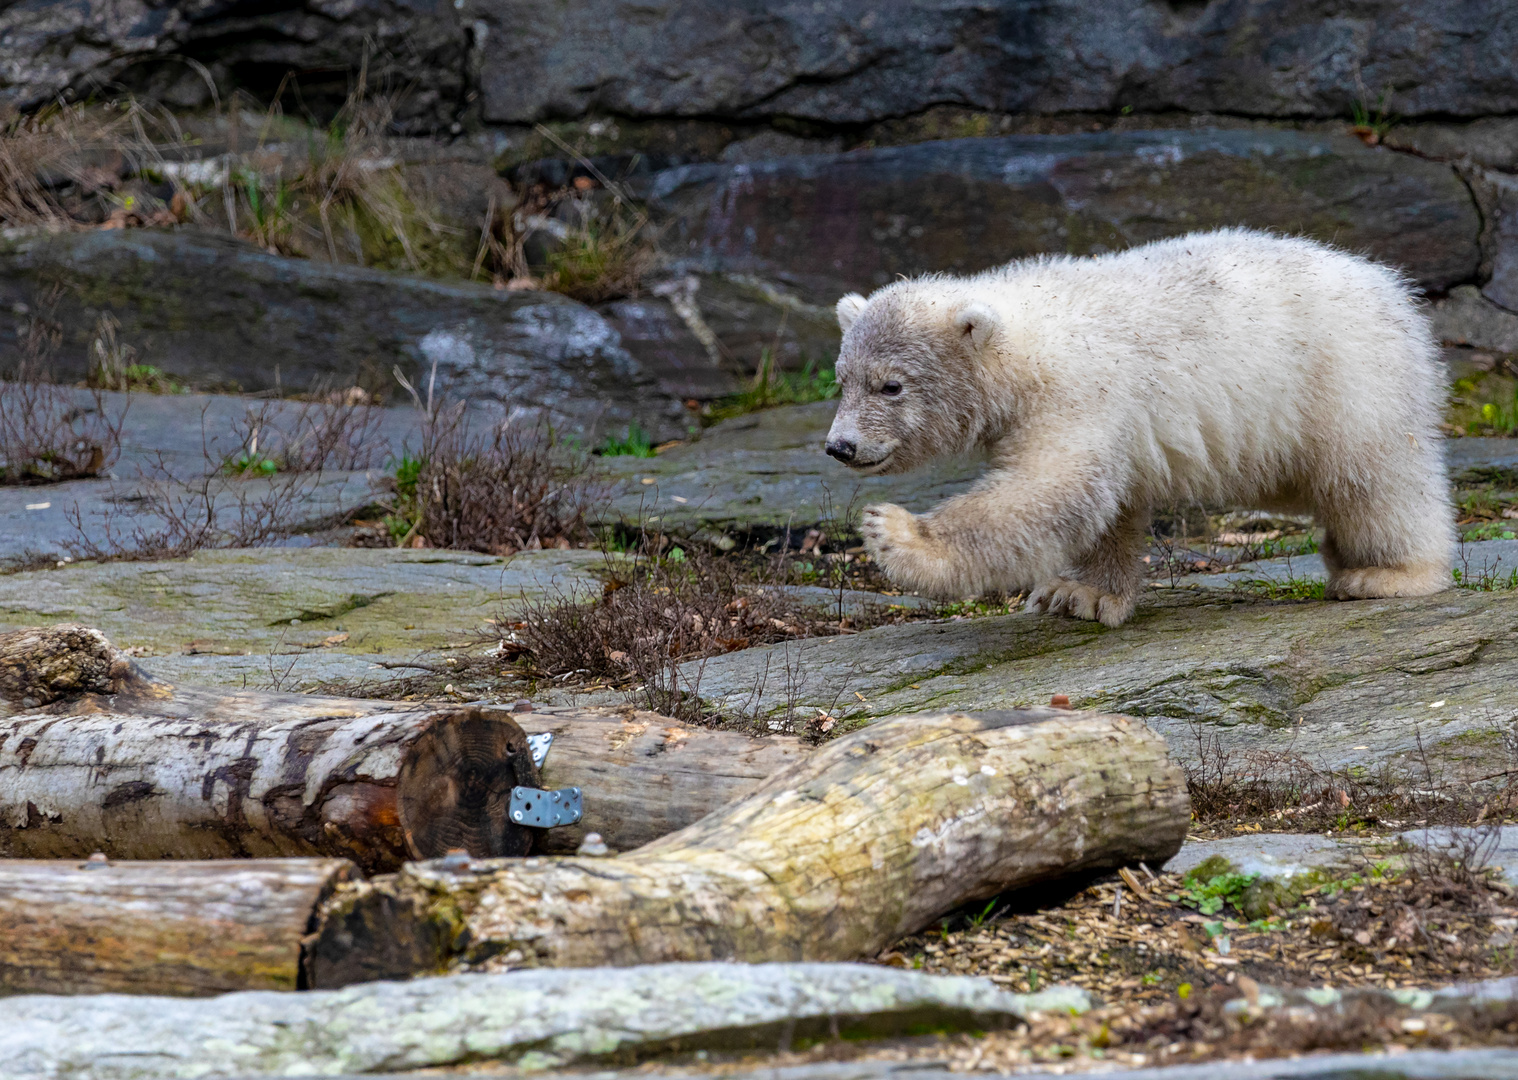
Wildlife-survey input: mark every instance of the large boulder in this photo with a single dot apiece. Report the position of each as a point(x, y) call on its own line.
point(218, 312)
point(830, 222)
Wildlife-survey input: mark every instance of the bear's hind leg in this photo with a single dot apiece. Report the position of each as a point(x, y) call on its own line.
point(1105, 585)
point(1403, 551)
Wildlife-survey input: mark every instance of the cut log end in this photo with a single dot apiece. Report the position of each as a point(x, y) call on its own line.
point(454, 786)
point(41, 665)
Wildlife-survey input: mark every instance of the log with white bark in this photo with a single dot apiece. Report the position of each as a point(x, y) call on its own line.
point(109, 759)
point(867, 839)
point(97, 755)
point(184, 928)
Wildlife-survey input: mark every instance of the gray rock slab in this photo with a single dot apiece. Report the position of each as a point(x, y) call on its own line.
point(1470, 1064)
point(42, 520)
point(215, 311)
point(764, 470)
point(1492, 847)
point(1474, 560)
point(1273, 856)
point(1342, 684)
point(252, 617)
point(857, 220)
point(1471, 453)
point(534, 1019)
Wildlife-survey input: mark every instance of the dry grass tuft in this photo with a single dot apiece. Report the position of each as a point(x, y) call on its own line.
point(1283, 791)
point(500, 490)
point(48, 433)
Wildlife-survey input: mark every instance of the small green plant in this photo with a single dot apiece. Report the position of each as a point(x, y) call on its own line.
point(1491, 530)
point(1486, 579)
point(979, 608)
point(772, 387)
point(402, 521)
point(250, 463)
point(977, 921)
point(1370, 126)
point(1501, 417)
point(635, 444)
point(1293, 588)
point(1211, 885)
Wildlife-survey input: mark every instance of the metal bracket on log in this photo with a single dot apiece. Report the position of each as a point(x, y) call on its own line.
point(538, 745)
point(545, 809)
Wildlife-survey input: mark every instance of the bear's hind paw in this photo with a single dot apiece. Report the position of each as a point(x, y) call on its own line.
point(1065, 597)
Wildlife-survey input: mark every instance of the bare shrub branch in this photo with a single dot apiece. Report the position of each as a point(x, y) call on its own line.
point(47, 434)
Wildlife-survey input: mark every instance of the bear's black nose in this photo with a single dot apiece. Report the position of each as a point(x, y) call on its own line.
point(841, 449)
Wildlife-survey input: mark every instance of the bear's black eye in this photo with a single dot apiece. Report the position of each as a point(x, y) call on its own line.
point(890, 389)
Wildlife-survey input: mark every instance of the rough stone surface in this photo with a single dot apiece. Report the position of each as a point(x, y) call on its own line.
point(1502, 289)
point(225, 617)
point(532, 1018)
point(1480, 1064)
point(1493, 847)
point(767, 471)
point(212, 310)
point(853, 62)
point(844, 62)
point(1466, 317)
point(1340, 683)
point(854, 221)
point(87, 45)
point(1274, 856)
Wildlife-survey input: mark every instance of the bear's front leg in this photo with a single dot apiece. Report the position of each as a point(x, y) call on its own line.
point(904, 547)
point(1107, 581)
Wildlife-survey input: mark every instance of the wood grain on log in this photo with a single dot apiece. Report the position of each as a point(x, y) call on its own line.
point(645, 775)
point(158, 928)
point(869, 838)
point(103, 757)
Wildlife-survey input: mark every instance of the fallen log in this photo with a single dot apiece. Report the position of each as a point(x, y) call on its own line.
point(645, 775)
point(97, 755)
point(184, 928)
point(870, 838)
point(111, 760)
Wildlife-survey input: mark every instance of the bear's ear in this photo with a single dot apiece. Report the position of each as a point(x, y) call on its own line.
point(978, 322)
point(849, 308)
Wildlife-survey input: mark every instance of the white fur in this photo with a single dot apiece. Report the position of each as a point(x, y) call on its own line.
point(1229, 368)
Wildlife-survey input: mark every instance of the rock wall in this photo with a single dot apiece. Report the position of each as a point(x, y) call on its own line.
point(856, 61)
point(834, 222)
point(837, 62)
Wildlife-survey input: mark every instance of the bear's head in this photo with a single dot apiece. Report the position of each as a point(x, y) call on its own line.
point(910, 377)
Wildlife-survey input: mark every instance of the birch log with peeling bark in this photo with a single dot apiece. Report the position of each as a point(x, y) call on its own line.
point(867, 839)
point(186, 928)
point(105, 758)
point(111, 760)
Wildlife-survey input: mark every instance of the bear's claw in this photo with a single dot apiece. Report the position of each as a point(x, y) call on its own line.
point(1065, 597)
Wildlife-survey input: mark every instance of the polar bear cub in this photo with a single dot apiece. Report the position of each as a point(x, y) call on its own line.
point(1231, 367)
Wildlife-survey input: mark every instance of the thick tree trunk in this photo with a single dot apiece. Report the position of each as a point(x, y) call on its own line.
point(867, 839)
point(158, 928)
point(96, 755)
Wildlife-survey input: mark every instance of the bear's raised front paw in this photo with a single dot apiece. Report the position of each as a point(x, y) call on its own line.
point(1065, 597)
point(900, 545)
